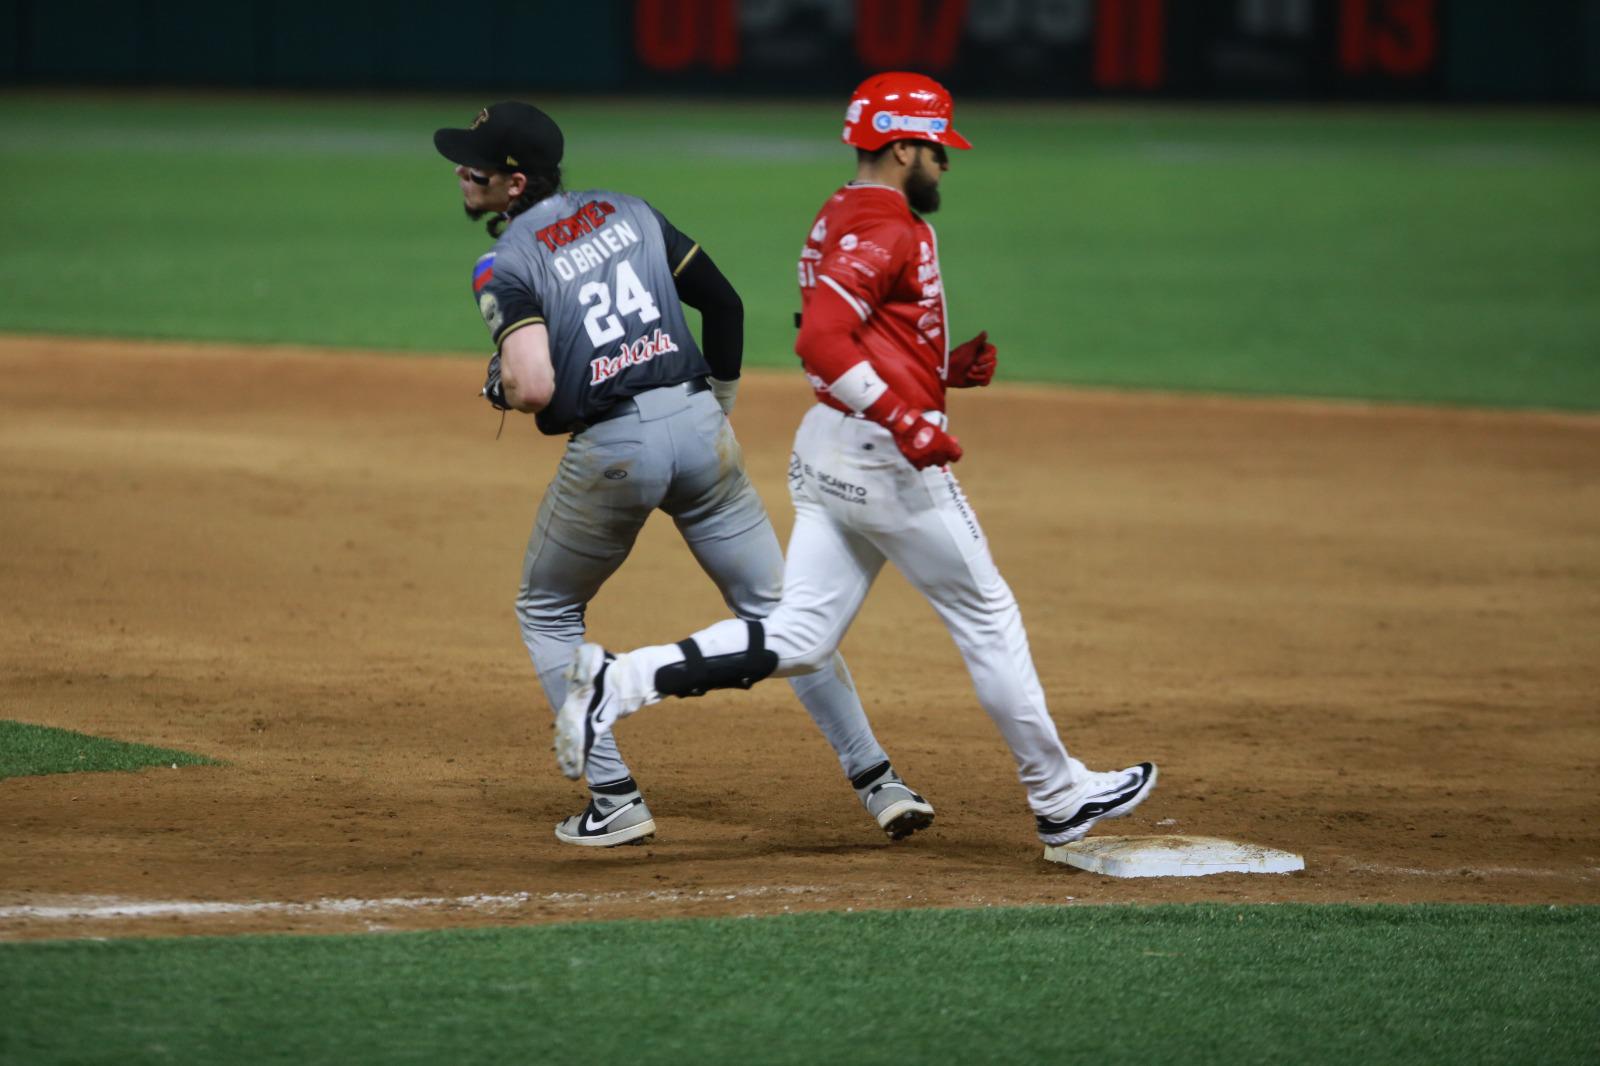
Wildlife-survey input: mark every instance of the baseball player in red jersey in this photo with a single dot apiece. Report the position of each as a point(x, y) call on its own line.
point(870, 478)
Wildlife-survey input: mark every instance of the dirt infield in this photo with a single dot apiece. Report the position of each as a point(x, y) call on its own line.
point(1369, 635)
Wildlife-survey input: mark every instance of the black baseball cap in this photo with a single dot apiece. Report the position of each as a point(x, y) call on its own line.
point(504, 136)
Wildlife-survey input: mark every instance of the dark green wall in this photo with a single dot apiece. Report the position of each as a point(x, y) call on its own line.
point(331, 44)
point(1480, 50)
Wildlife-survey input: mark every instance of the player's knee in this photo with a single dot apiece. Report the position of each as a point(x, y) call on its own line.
point(763, 600)
point(810, 660)
point(800, 639)
point(753, 589)
point(529, 616)
point(538, 618)
point(751, 602)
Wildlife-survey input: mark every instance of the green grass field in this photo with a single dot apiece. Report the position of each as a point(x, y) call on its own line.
point(1201, 984)
point(1447, 258)
point(27, 750)
point(1399, 256)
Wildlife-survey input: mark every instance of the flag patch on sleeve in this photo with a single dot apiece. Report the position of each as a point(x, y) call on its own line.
point(482, 272)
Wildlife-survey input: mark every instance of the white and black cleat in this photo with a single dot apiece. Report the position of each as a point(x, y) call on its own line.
point(898, 810)
point(616, 815)
point(587, 713)
point(1100, 797)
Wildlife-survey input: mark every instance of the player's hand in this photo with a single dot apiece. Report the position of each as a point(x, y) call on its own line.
point(972, 364)
point(923, 442)
point(493, 390)
point(724, 391)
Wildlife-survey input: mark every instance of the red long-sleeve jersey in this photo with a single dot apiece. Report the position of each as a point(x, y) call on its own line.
point(870, 289)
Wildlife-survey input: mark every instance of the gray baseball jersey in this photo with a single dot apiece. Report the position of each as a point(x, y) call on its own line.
point(596, 268)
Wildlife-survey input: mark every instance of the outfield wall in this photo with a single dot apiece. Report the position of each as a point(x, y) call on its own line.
point(1417, 50)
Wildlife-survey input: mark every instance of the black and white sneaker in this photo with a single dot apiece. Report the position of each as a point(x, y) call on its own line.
point(587, 713)
point(1101, 796)
point(899, 811)
point(616, 815)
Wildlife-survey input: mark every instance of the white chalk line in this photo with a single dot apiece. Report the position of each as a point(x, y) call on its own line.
point(110, 907)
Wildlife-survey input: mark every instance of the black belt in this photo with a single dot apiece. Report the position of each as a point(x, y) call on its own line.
point(627, 406)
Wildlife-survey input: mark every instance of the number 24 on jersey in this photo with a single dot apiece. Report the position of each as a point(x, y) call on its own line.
point(632, 299)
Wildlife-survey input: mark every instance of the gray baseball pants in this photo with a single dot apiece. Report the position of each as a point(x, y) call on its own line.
point(677, 453)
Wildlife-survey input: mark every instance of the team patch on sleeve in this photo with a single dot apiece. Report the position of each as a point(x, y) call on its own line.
point(482, 271)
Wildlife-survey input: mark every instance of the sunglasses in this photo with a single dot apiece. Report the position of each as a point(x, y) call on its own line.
point(939, 154)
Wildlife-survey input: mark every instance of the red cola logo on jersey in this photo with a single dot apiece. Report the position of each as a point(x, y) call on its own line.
point(640, 351)
point(588, 218)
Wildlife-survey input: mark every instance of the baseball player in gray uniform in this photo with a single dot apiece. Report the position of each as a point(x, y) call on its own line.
point(581, 294)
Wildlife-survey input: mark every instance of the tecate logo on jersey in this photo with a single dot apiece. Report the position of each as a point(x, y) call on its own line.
point(640, 351)
point(885, 121)
point(587, 219)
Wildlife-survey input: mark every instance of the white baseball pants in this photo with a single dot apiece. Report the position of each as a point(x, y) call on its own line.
point(858, 504)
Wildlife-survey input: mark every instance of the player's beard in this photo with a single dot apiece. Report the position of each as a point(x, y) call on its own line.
point(922, 193)
point(498, 220)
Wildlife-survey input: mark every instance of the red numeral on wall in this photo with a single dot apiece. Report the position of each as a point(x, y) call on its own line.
point(890, 34)
point(672, 35)
point(1129, 44)
point(1399, 37)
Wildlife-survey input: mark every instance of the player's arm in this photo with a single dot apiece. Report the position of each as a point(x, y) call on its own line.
point(849, 289)
point(706, 289)
point(515, 316)
point(526, 373)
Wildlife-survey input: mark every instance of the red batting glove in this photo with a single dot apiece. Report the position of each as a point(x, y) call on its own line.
point(922, 442)
point(972, 363)
point(919, 440)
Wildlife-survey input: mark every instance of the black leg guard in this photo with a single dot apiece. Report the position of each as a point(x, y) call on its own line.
point(697, 675)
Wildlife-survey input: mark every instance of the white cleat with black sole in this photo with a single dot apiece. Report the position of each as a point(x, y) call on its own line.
point(1099, 798)
point(587, 713)
point(616, 815)
point(898, 810)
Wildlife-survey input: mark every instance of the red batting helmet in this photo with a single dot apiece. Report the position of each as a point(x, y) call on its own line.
point(900, 106)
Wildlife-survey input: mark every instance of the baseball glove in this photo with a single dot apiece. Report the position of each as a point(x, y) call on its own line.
point(493, 390)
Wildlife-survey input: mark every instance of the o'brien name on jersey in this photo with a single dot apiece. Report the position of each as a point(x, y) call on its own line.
point(578, 257)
